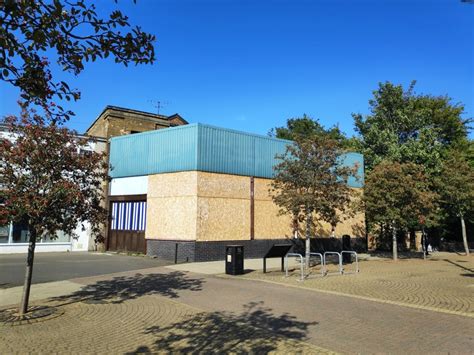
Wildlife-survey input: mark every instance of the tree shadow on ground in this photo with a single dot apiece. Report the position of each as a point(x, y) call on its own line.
point(122, 288)
point(256, 330)
point(401, 254)
point(471, 271)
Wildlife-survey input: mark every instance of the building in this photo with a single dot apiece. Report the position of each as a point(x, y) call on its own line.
point(14, 237)
point(113, 121)
point(185, 192)
point(118, 121)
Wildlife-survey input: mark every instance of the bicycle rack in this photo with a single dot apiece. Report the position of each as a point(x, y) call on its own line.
point(301, 264)
point(322, 261)
point(340, 262)
point(356, 257)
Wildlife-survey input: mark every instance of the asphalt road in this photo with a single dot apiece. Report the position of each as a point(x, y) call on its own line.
point(64, 266)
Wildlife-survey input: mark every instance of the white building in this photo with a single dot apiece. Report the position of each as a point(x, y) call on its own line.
point(14, 237)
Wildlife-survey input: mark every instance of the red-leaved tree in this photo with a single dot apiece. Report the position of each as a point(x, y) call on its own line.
point(48, 184)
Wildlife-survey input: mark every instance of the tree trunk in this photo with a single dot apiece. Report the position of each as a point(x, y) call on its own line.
point(28, 274)
point(423, 243)
point(308, 241)
point(394, 243)
point(464, 235)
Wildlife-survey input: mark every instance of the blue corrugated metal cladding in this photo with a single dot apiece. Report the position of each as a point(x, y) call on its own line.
point(203, 148)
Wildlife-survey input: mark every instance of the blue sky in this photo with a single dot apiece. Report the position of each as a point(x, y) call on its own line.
point(250, 65)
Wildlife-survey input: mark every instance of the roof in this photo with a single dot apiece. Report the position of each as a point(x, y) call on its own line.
point(203, 147)
point(146, 115)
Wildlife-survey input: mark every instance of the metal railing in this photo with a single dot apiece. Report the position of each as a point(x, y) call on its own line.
point(323, 258)
point(339, 262)
point(301, 264)
point(322, 261)
point(356, 260)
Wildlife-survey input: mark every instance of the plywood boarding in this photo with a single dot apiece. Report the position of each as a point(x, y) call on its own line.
point(172, 206)
point(262, 187)
point(211, 207)
point(223, 219)
point(355, 226)
point(173, 184)
point(214, 185)
point(223, 207)
point(171, 218)
point(268, 224)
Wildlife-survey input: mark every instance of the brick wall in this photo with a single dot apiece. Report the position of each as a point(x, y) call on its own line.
point(170, 250)
point(215, 250)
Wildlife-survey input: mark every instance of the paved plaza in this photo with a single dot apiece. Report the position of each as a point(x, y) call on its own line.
point(444, 282)
point(162, 309)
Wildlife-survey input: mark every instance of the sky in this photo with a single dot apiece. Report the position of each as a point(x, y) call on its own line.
point(251, 65)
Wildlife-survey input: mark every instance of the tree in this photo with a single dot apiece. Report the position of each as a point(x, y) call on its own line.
point(406, 127)
point(310, 180)
point(397, 196)
point(457, 190)
point(409, 128)
point(307, 127)
point(72, 33)
point(48, 184)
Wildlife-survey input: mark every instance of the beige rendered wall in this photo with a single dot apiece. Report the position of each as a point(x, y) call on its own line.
point(172, 206)
point(211, 207)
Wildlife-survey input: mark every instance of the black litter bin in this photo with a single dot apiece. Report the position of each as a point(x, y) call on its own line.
point(346, 245)
point(234, 259)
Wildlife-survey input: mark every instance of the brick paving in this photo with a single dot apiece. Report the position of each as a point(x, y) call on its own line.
point(147, 324)
point(444, 282)
point(161, 311)
point(133, 312)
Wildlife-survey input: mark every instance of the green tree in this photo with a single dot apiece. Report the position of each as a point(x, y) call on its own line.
point(409, 128)
point(398, 197)
point(307, 127)
point(457, 190)
point(467, 152)
point(406, 127)
point(71, 32)
point(310, 180)
point(48, 184)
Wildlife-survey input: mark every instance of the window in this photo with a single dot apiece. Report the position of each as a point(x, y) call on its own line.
point(20, 233)
point(85, 152)
point(60, 237)
point(4, 233)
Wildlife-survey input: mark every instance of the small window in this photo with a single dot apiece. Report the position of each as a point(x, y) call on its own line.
point(4, 233)
point(85, 152)
point(20, 233)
